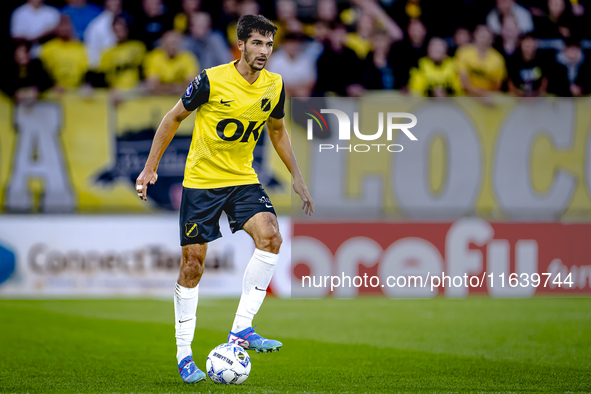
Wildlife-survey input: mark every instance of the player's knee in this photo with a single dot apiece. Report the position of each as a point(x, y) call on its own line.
point(271, 242)
point(194, 268)
point(192, 264)
point(191, 273)
point(276, 241)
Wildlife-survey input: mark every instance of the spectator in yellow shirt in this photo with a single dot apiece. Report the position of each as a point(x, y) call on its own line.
point(64, 58)
point(435, 75)
point(168, 69)
point(481, 68)
point(121, 64)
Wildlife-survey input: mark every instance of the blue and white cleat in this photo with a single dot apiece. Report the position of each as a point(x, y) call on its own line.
point(189, 371)
point(250, 340)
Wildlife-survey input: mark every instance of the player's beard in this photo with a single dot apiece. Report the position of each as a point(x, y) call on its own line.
point(252, 61)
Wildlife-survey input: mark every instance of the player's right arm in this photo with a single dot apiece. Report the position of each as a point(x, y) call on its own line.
point(168, 127)
point(197, 94)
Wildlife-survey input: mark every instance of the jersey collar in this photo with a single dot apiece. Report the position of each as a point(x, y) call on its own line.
point(239, 76)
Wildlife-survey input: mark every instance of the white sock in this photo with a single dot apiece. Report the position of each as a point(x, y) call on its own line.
point(257, 277)
point(185, 308)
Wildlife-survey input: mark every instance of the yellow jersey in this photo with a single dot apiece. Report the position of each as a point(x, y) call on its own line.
point(121, 64)
point(231, 114)
point(170, 70)
point(360, 45)
point(486, 73)
point(65, 61)
point(428, 76)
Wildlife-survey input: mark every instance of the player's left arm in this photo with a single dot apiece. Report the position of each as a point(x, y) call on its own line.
point(282, 144)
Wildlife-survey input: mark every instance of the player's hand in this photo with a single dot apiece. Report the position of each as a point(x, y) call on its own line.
point(308, 204)
point(141, 184)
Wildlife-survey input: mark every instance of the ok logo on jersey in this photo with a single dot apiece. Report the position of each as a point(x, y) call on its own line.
point(252, 128)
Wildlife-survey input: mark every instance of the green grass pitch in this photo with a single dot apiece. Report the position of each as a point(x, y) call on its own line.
point(361, 345)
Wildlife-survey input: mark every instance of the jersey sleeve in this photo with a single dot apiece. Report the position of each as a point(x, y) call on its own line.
point(197, 92)
point(278, 111)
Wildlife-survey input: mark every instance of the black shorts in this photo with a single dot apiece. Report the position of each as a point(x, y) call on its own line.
point(201, 210)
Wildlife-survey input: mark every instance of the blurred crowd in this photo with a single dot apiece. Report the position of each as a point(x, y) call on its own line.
point(323, 47)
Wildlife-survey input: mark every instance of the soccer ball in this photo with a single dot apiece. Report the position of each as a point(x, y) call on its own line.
point(228, 363)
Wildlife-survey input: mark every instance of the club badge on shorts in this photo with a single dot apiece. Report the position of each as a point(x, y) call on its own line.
point(191, 230)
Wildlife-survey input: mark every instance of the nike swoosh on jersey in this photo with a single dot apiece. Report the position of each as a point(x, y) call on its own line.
point(225, 102)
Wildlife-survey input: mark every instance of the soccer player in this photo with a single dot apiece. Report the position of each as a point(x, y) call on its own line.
point(233, 102)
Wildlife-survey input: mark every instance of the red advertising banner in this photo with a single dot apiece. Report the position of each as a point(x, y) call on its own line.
point(468, 256)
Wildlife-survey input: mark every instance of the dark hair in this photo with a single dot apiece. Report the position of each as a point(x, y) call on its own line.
point(120, 18)
point(249, 23)
point(526, 36)
point(572, 42)
point(21, 43)
point(123, 17)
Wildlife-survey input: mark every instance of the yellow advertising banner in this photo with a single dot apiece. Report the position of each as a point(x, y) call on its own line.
point(502, 159)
